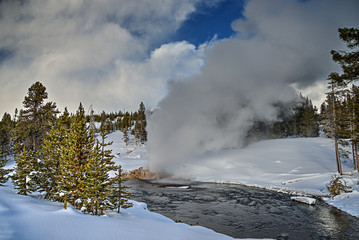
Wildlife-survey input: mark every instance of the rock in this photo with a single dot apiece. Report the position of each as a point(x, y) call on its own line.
point(141, 174)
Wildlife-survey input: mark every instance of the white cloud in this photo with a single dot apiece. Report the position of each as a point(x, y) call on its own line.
point(97, 52)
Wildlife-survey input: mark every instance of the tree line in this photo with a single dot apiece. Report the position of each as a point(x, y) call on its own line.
point(340, 111)
point(298, 118)
point(64, 156)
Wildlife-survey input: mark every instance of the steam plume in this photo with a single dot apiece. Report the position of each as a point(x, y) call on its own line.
point(279, 45)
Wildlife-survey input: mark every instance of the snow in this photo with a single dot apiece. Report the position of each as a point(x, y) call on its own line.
point(303, 165)
point(306, 200)
point(299, 166)
point(26, 217)
point(130, 157)
point(30, 217)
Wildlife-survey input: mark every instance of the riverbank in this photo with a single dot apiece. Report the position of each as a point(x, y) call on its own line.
point(298, 166)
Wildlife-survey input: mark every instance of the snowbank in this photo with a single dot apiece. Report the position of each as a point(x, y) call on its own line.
point(25, 217)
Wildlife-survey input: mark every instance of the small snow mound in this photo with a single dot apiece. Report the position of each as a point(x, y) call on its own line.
point(139, 205)
point(69, 210)
point(306, 200)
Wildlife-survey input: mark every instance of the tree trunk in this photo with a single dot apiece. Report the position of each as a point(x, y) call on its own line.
point(353, 152)
point(339, 166)
point(356, 155)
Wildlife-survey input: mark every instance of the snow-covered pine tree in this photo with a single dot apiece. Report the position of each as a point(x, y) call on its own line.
point(74, 155)
point(3, 172)
point(98, 185)
point(25, 172)
point(50, 163)
point(120, 195)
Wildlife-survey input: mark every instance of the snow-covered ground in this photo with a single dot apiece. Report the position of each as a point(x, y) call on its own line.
point(30, 217)
point(25, 217)
point(129, 156)
point(299, 166)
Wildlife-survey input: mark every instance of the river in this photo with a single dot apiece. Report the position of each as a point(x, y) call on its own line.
point(244, 212)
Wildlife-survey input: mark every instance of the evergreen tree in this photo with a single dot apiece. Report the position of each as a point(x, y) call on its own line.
point(74, 155)
point(355, 123)
point(97, 188)
point(332, 115)
point(348, 61)
point(92, 121)
point(140, 126)
point(24, 177)
point(85, 164)
point(308, 119)
point(64, 120)
point(125, 137)
point(50, 162)
point(120, 195)
point(36, 120)
point(6, 126)
point(3, 172)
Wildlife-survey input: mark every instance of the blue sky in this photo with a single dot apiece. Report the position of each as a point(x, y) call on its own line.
point(113, 54)
point(210, 21)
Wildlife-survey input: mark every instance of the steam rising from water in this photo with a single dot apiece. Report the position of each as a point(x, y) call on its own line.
point(243, 77)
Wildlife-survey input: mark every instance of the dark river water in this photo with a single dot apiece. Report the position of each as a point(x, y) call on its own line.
point(244, 212)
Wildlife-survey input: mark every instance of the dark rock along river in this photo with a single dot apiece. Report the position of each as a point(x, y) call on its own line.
point(244, 212)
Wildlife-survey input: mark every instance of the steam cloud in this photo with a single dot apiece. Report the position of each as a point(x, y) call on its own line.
point(281, 44)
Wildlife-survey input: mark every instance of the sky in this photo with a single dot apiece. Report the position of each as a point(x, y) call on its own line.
point(113, 54)
point(110, 54)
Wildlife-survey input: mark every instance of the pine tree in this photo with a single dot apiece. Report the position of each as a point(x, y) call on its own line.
point(3, 172)
point(92, 121)
point(50, 162)
point(74, 155)
point(353, 111)
point(120, 195)
point(36, 120)
point(64, 120)
point(24, 177)
point(308, 119)
point(125, 136)
point(140, 126)
point(97, 188)
point(6, 126)
point(331, 123)
point(349, 62)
